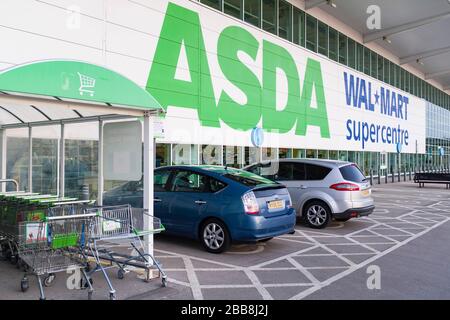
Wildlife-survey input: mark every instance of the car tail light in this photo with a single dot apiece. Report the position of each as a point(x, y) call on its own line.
point(289, 204)
point(345, 186)
point(250, 203)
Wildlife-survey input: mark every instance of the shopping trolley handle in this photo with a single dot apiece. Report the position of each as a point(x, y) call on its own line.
point(74, 216)
point(147, 232)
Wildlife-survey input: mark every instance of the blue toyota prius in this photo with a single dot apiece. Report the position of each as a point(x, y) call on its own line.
point(215, 204)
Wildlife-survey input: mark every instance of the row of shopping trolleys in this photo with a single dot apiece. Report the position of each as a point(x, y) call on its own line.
point(45, 235)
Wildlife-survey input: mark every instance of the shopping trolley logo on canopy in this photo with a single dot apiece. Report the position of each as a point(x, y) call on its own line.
point(87, 84)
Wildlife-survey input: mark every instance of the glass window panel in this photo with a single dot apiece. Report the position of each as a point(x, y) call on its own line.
point(269, 153)
point(366, 61)
point(251, 155)
point(374, 63)
point(284, 153)
point(311, 153)
point(211, 154)
point(386, 71)
point(402, 78)
point(342, 48)
point(351, 53)
point(162, 154)
point(360, 57)
point(299, 27)
point(322, 154)
point(391, 73)
point(380, 68)
point(232, 156)
point(407, 80)
point(351, 156)
point(298, 153)
point(216, 4)
point(44, 157)
point(333, 154)
point(17, 158)
point(398, 76)
point(285, 20)
point(181, 154)
point(233, 8)
point(269, 16)
point(252, 12)
point(81, 168)
point(333, 44)
point(323, 39)
point(311, 33)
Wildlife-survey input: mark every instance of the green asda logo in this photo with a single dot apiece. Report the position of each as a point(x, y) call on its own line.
point(182, 27)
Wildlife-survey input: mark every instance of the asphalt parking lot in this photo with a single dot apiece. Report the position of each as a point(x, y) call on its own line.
point(406, 237)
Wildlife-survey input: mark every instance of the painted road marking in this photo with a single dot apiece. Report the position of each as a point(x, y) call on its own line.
point(393, 228)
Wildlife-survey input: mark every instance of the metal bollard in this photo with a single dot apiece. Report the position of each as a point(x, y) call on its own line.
point(379, 178)
point(386, 177)
point(399, 173)
point(371, 177)
point(404, 175)
point(392, 175)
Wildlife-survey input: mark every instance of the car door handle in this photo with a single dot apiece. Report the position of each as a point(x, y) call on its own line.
point(200, 202)
point(303, 187)
point(157, 200)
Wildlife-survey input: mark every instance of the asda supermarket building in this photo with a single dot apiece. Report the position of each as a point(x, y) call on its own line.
point(240, 81)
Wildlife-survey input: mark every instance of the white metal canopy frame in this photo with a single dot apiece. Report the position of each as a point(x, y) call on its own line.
point(31, 110)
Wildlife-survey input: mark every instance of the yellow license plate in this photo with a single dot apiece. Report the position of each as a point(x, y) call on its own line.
point(276, 204)
point(365, 192)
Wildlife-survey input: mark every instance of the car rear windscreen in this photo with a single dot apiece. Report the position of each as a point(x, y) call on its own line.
point(247, 179)
point(352, 173)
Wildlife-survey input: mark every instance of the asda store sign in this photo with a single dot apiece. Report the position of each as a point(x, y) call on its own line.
point(181, 30)
point(219, 78)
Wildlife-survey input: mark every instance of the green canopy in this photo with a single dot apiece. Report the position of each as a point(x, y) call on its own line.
point(76, 80)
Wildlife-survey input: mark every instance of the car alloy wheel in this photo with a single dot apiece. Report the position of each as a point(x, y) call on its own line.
point(215, 236)
point(317, 215)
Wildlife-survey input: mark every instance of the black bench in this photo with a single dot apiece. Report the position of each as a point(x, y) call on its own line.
point(432, 177)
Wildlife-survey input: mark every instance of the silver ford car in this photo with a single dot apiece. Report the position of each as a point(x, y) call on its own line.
point(321, 189)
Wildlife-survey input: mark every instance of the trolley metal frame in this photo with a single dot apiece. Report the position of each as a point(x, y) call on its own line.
point(53, 245)
point(114, 227)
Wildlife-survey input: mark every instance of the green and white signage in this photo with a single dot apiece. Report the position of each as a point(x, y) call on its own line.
point(75, 80)
point(218, 78)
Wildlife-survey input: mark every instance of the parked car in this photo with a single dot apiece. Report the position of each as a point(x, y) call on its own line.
point(216, 205)
point(321, 189)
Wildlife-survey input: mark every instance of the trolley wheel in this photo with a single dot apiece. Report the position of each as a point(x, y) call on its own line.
point(164, 282)
point(24, 284)
point(112, 296)
point(14, 259)
point(120, 274)
point(84, 284)
point(48, 280)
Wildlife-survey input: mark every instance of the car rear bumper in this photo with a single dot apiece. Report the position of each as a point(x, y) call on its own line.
point(355, 212)
point(259, 228)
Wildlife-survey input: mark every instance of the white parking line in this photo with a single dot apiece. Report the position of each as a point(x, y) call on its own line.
point(352, 269)
point(398, 225)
